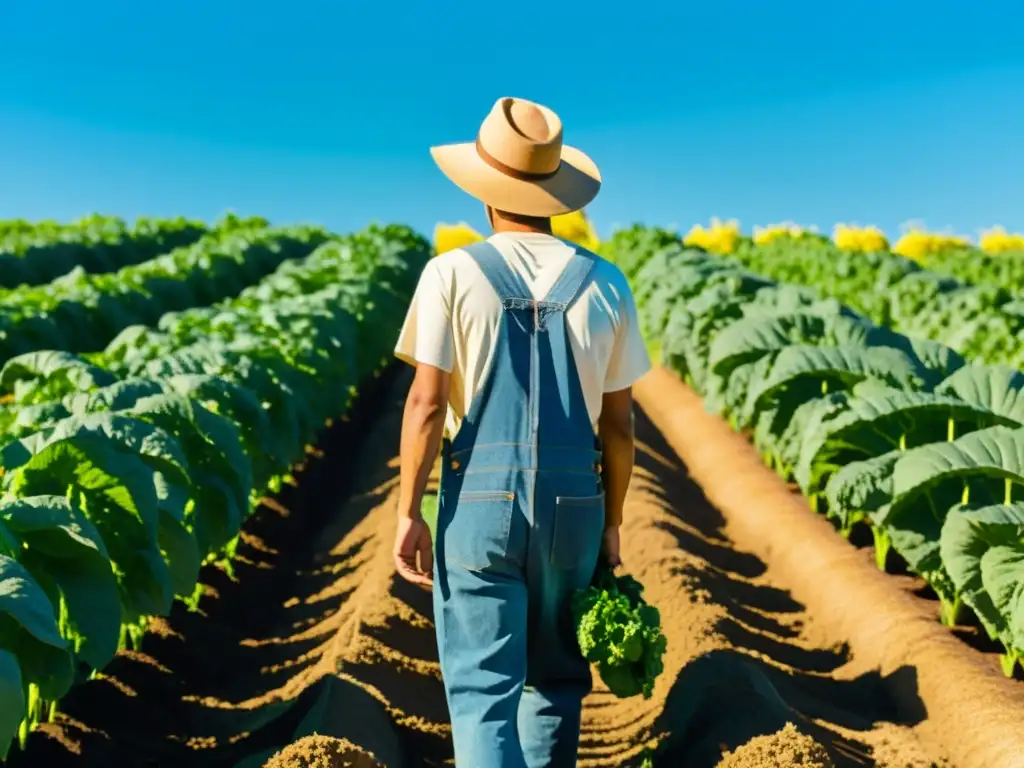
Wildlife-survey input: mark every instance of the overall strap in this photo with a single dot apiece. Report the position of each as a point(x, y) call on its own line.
point(507, 283)
point(572, 280)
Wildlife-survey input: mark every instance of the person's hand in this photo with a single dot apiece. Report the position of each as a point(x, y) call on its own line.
point(413, 553)
point(610, 547)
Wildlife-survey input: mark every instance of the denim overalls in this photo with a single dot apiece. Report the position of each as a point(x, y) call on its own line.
point(520, 522)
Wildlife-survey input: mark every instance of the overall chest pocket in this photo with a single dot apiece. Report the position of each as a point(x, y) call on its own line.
point(476, 530)
point(578, 529)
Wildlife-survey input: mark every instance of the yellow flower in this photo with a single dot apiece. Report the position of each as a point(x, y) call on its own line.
point(862, 239)
point(918, 245)
point(576, 228)
point(721, 237)
point(998, 240)
point(765, 235)
point(448, 237)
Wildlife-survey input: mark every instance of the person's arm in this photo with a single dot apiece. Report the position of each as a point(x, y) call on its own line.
point(629, 361)
point(422, 427)
point(615, 428)
point(426, 343)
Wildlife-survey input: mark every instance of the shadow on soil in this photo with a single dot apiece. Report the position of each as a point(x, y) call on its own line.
point(724, 698)
point(163, 706)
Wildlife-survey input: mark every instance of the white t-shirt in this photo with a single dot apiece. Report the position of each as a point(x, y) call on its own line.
point(453, 320)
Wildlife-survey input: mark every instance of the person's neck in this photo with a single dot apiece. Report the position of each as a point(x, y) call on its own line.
point(515, 227)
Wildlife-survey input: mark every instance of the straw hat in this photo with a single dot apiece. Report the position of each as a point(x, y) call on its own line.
point(518, 163)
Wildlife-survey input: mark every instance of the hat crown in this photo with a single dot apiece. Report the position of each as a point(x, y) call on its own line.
point(522, 137)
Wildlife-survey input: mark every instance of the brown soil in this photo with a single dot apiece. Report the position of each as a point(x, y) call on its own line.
point(323, 752)
point(316, 636)
point(787, 748)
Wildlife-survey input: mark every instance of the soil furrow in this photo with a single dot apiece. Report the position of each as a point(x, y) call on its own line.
point(316, 634)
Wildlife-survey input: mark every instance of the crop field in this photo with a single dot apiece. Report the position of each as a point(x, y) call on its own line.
point(199, 428)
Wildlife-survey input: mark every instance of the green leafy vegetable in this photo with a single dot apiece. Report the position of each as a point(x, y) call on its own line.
point(620, 633)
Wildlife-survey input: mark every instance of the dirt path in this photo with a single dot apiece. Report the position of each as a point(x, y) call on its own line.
point(316, 635)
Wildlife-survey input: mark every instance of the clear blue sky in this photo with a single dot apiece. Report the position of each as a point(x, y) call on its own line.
point(877, 111)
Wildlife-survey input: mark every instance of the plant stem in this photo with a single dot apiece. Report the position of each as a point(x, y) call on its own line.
point(882, 546)
point(949, 612)
point(1008, 661)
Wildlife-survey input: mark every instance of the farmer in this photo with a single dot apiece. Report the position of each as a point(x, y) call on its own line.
point(526, 348)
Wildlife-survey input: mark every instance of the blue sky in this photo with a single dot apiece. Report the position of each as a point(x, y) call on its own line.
point(881, 111)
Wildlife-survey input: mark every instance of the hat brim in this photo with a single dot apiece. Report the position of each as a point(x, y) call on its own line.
point(576, 182)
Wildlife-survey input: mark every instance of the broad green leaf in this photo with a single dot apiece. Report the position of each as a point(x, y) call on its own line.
point(937, 361)
point(156, 447)
point(1002, 573)
point(995, 452)
point(31, 418)
point(862, 487)
point(236, 402)
point(967, 534)
point(39, 376)
point(66, 546)
point(806, 421)
point(118, 494)
point(748, 339)
point(214, 448)
point(875, 424)
point(116, 397)
point(12, 700)
point(10, 545)
point(930, 480)
point(181, 552)
point(998, 388)
point(28, 629)
point(826, 369)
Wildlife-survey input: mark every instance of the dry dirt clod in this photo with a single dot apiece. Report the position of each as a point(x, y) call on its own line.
point(323, 752)
point(787, 748)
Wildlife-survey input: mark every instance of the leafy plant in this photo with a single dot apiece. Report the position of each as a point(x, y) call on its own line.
point(80, 312)
point(620, 633)
point(35, 253)
point(902, 434)
point(123, 471)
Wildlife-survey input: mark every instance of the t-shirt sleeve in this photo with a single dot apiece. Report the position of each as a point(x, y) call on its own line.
point(629, 360)
point(426, 336)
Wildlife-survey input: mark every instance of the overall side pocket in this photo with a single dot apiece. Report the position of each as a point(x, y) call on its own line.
point(476, 532)
point(578, 527)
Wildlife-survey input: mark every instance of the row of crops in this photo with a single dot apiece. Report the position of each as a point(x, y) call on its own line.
point(950, 291)
point(122, 470)
point(899, 433)
point(981, 321)
point(998, 259)
point(82, 311)
point(33, 253)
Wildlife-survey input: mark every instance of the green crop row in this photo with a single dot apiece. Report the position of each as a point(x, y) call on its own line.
point(32, 253)
point(899, 433)
point(976, 267)
point(81, 312)
point(123, 471)
point(982, 322)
